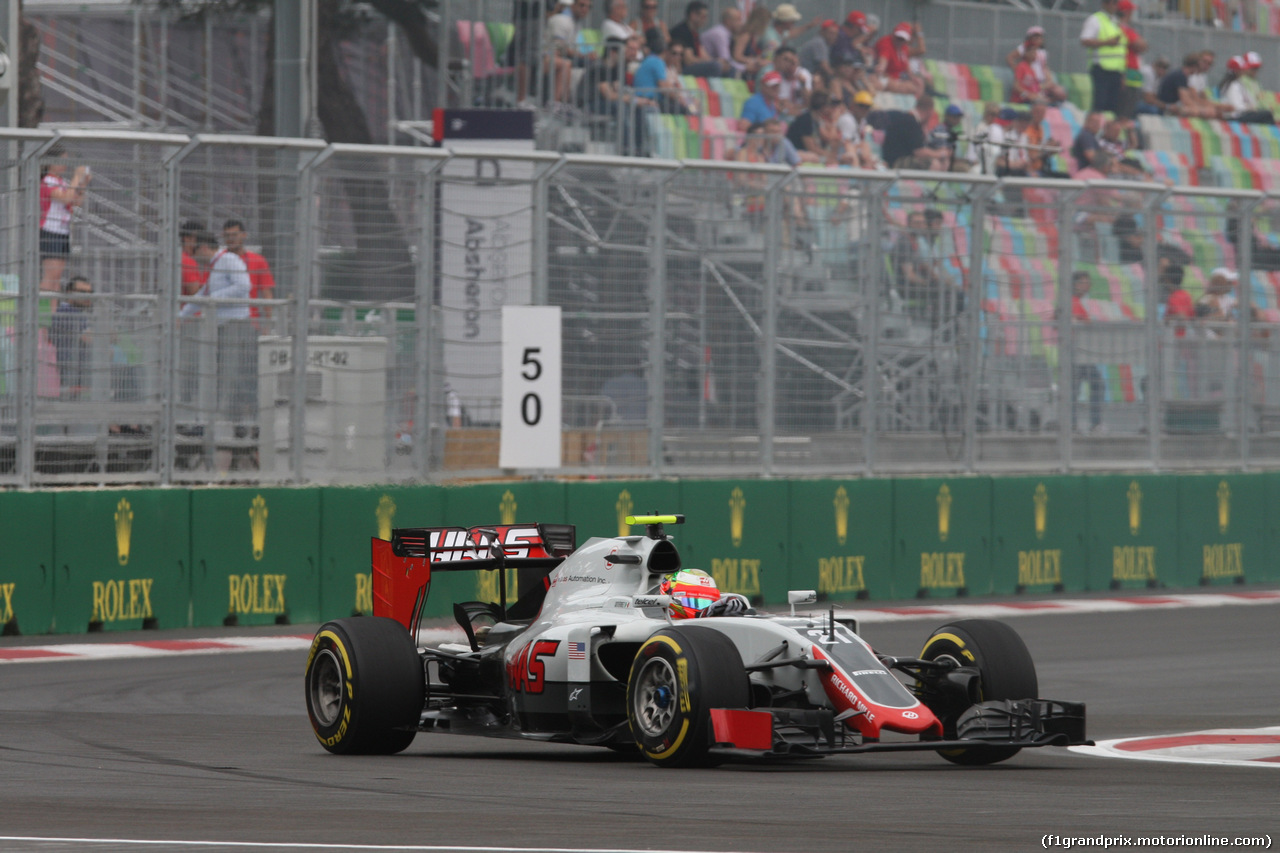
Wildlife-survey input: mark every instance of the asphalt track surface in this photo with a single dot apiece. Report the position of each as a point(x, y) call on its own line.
point(218, 748)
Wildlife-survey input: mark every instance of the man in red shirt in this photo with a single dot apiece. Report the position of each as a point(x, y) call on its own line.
point(261, 282)
point(193, 277)
point(894, 52)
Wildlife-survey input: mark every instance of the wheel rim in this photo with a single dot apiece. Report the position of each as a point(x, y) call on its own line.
point(655, 698)
point(326, 688)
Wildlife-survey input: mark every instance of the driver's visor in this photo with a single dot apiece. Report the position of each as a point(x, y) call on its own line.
point(694, 602)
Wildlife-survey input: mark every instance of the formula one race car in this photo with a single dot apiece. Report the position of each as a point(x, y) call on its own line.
point(590, 652)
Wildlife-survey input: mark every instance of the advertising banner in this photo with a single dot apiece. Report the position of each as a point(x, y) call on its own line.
point(1133, 527)
point(943, 533)
point(26, 568)
point(841, 534)
point(1040, 528)
point(736, 530)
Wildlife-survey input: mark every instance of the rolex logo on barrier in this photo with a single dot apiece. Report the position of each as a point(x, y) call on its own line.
point(944, 512)
point(737, 511)
point(624, 506)
point(386, 512)
point(1135, 508)
point(1041, 499)
point(1224, 506)
point(124, 530)
point(841, 504)
point(508, 507)
point(258, 525)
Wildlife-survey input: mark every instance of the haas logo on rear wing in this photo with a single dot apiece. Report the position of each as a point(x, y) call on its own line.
point(402, 567)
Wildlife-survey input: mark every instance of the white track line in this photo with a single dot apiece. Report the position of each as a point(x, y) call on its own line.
point(290, 845)
point(865, 615)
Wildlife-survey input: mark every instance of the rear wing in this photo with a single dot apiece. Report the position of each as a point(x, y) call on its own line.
point(402, 568)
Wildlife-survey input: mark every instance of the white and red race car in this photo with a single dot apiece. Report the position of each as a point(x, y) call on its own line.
point(587, 652)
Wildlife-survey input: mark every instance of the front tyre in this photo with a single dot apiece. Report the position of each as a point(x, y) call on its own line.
point(1005, 668)
point(364, 686)
point(677, 677)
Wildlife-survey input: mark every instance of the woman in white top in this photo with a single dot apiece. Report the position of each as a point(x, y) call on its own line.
point(1237, 94)
point(57, 199)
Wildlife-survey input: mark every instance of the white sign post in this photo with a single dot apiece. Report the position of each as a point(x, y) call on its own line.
point(530, 387)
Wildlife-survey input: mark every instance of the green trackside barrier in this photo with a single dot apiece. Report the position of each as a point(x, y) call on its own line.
point(1039, 534)
point(841, 539)
point(255, 556)
point(942, 529)
point(492, 503)
point(349, 518)
point(26, 562)
point(122, 558)
point(1133, 532)
point(1223, 529)
point(600, 508)
point(737, 531)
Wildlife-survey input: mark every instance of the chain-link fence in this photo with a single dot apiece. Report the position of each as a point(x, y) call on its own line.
point(201, 309)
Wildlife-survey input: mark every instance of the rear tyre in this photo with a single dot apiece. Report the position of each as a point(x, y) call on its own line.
point(677, 677)
point(1005, 667)
point(364, 686)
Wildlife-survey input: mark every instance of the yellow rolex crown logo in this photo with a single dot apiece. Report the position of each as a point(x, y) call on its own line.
point(624, 506)
point(124, 530)
point(1224, 506)
point(1041, 499)
point(841, 504)
point(944, 512)
point(385, 513)
point(1135, 508)
point(508, 507)
point(258, 525)
point(737, 508)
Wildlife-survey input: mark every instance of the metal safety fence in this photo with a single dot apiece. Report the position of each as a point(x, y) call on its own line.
point(273, 310)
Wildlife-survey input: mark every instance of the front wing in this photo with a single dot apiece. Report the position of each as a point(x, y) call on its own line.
point(1023, 723)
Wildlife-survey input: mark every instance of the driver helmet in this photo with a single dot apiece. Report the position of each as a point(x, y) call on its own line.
point(691, 591)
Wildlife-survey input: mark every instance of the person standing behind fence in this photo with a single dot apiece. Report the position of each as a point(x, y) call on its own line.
point(57, 199)
point(1085, 375)
point(193, 278)
point(1102, 35)
point(237, 340)
point(262, 283)
point(69, 330)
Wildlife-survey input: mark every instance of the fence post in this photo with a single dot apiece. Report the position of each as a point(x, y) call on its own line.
point(1244, 398)
point(305, 247)
point(171, 276)
point(28, 310)
point(424, 318)
point(655, 408)
point(766, 402)
point(873, 286)
point(1155, 363)
point(973, 324)
point(1066, 336)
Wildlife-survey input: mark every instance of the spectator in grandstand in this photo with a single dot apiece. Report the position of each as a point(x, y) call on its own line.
point(697, 61)
point(797, 83)
point(1087, 375)
point(817, 137)
point(57, 200)
point(763, 105)
point(857, 131)
point(261, 282)
point(949, 134)
point(1014, 161)
point(1041, 150)
point(904, 145)
point(748, 45)
point(1031, 50)
point(1129, 238)
point(237, 340)
point(917, 270)
point(610, 97)
point(1181, 98)
point(894, 52)
point(1150, 103)
point(615, 30)
point(1085, 145)
point(651, 27)
point(853, 40)
point(765, 142)
point(1102, 35)
point(1240, 96)
point(1100, 168)
point(815, 54)
point(1117, 137)
point(782, 30)
point(849, 80)
point(653, 80)
point(718, 41)
point(987, 138)
point(527, 18)
point(565, 31)
point(192, 275)
point(69, 331)
point(1219, 302)
point(1135, 46)
point(1178, 309)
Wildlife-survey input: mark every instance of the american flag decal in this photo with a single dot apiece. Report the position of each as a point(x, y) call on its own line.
point(577, 651)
